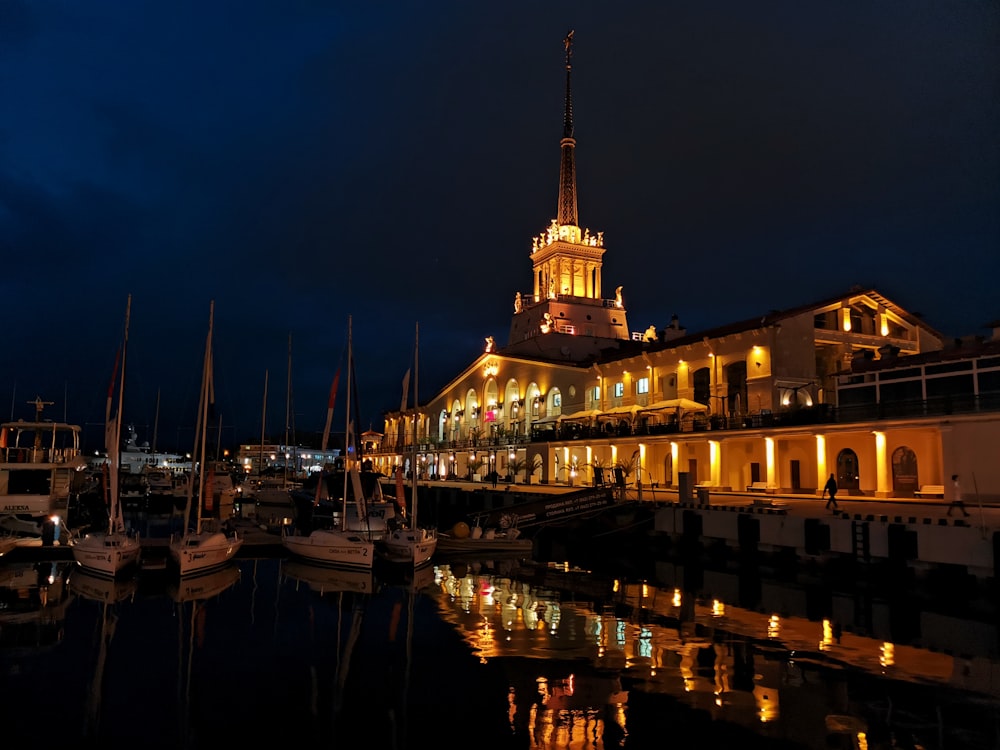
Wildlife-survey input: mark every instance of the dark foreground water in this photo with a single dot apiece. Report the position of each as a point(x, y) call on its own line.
point(270, 653)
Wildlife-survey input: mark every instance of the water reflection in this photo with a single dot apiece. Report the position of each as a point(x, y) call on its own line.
point(775, 672)
point(480, 655)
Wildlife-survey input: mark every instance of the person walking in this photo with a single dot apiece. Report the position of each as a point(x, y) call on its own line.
point(831, 488)
point(956, 497)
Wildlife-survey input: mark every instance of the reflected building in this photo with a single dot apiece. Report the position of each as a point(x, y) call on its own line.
point(575, 666)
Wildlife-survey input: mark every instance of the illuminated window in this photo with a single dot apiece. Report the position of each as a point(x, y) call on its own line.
point(642, 385)
point(557, 400)
point(597, 393)
point(619, 390)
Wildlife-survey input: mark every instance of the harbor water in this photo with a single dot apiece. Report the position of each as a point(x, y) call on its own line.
point(481, 654)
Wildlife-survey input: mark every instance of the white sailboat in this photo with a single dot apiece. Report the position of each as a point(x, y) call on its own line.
point(115, 550)
point(410, 544)
point(200, 550)
point(338, 546)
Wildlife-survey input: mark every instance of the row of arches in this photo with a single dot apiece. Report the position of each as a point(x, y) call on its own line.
point(489, 413)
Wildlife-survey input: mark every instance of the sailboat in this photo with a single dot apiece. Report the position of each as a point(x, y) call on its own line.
point(200, 550)
point(410, 544)
point(271, 493)
point(337, 546)
point(115, 550)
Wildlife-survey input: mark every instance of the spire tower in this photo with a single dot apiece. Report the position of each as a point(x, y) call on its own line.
point(565, 315)
point(567, 211)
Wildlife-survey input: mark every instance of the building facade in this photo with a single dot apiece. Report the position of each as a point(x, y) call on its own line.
point(851, 385)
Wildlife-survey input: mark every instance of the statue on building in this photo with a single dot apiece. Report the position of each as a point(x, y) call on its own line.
point(618, 297)
point(651, 334)
point(518, 303)
point(490, 344)
point(547, 324)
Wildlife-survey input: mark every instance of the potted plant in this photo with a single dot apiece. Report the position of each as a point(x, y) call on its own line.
point(475, 464)
point(535, 464)
point(515, 466)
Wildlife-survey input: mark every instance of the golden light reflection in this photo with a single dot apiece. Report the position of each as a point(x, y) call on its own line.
point(774, 627)
point(767, 704)
point(888, 655)
point(682, 658)
point(827, 639)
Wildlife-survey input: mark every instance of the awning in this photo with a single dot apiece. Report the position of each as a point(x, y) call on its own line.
point(580, 416)
point(684, 404)
point(621, 411)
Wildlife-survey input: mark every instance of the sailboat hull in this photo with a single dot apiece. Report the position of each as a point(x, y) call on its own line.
point(415, 547)
point(198, 553)
point(331, 547)
point(106, 554)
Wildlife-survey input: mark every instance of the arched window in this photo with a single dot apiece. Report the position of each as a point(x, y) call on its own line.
point(701, 379)
point(553, 406)
point(736, 387)
point(513, 409)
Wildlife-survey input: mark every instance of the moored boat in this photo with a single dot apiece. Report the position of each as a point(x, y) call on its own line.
point(341, 545)
point(408, 543)
point(113, 550)
point(201, 549)
point(332, 546)
point(462, 540)
point(42, 464)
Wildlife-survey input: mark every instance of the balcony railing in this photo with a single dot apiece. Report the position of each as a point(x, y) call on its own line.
point(814, 415)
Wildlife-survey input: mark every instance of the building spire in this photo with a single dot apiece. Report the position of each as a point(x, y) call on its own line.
point(566, 214)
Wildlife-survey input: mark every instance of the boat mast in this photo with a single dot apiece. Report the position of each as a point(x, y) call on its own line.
point(115, 520)
point(288, 406)
point(203, 417)
point(413, 462)
point(263, 422)
point(347, 431)
point(156, 420)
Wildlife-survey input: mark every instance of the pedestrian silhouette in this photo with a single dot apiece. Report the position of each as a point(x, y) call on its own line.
point(956, 497)
point(831, 488)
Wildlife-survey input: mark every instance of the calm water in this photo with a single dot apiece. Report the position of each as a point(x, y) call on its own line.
point(480, 655)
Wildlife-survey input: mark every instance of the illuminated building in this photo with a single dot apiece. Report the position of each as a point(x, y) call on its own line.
point(752, 403)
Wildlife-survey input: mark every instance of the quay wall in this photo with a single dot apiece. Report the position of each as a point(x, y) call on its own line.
point(917, 542)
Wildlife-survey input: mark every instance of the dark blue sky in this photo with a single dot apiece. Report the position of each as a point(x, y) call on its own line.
point(300, 162)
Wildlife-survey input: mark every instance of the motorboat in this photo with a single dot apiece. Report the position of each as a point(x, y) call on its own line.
point(463, 540)
point(42, 466)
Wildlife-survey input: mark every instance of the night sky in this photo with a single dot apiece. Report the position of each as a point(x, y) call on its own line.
point(303, 162)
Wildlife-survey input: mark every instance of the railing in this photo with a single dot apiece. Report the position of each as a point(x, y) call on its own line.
point(819, 414)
